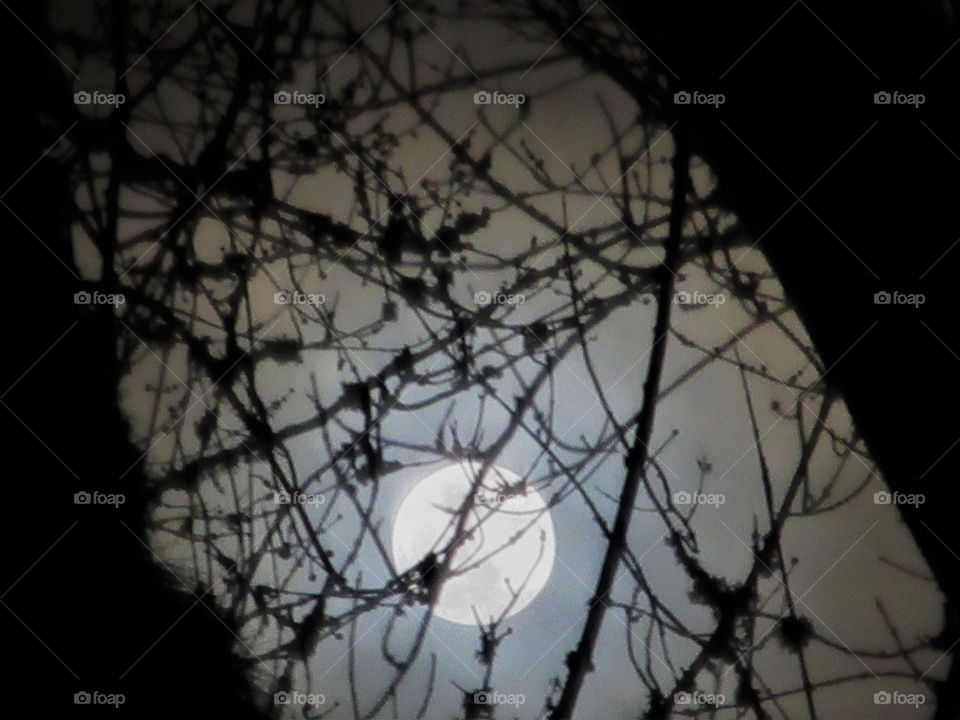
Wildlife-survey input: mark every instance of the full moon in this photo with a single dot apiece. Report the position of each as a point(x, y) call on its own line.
point(508, 545)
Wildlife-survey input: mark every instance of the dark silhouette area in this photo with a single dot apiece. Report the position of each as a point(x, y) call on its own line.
point(88, 607)
point(873, 191)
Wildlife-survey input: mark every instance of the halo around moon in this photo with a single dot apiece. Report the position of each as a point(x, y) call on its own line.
point(508, 545)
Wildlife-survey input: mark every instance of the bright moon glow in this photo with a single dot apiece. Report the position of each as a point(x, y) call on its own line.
point(509, 538)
